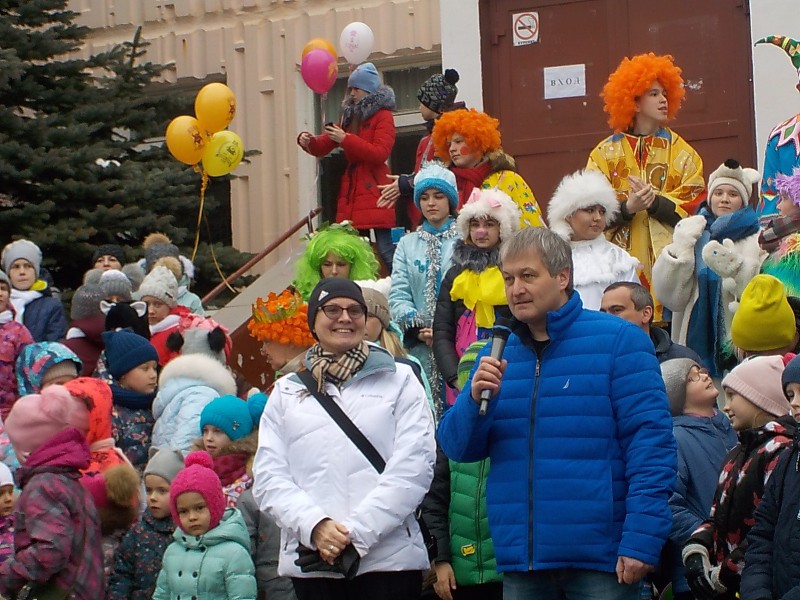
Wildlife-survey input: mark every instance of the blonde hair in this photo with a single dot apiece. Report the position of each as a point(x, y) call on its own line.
point(390, 342)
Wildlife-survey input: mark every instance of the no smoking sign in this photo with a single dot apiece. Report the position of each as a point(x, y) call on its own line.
point(525, 28)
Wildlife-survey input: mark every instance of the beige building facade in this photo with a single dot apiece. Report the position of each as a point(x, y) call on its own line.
point(255, 47)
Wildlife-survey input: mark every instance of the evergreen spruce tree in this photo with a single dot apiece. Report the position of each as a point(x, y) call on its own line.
point(77, 168)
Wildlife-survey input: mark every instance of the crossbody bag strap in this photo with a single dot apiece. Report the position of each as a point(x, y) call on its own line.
point(343, 421)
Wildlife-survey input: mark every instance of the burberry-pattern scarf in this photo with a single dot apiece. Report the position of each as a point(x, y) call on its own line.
point(326, 365)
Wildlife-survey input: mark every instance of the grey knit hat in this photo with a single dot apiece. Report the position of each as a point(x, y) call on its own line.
point(21, 249)
point(377, 306)
point(165, 463)
point(158, 250)
point(116, 283)
point(4, 278)
point(135, 273)
point(86, 302)
point(675, 373)
point(160, 283)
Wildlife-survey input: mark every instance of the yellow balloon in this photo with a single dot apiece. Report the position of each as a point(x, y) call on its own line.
point(319, 44)
point(224, 152)
point(215, 107)
point(185, 140)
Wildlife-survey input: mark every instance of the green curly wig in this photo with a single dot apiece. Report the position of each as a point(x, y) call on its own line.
point(346, 245)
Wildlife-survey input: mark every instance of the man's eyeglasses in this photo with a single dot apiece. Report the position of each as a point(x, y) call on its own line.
point(334, 311)
point(696, 374)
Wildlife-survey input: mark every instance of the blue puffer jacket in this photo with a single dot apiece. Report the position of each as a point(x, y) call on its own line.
point(45, 318)
point(583, 456)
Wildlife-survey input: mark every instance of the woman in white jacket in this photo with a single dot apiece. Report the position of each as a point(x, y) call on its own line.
point(713, 255)
point(346, 530)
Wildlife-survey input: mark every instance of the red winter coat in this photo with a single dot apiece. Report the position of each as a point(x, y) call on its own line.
point(366, 149)
point(57, 530)
point(88, 347)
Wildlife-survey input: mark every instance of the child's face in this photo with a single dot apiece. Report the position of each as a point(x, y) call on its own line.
point(142, 379)
point(334, 266)
point(5, 294)
point(214, 439)
point(193, 513)
point(587, 223)
point(435, 206)
point(793, 392)
point(743, 414)
point(786, 207)
point(157, 310)
point(726, 200)
point(653, 104)
point(373, 330)
point(461, 155)
point(21, 274)
point(6, 500)
point(157, 489)
point(484, 232)
point(700, 390)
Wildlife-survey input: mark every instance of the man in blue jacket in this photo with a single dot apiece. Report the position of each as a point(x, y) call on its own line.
point(579, 435)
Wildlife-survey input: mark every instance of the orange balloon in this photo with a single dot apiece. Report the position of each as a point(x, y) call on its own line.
point(215, 107)
point(185, 139)
point(320, 44)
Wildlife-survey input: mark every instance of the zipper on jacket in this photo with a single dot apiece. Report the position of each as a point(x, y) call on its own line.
point(530, 463)
point(478, 536)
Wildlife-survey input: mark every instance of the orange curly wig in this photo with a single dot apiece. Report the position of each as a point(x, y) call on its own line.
point(633, 77)
point(480, 131)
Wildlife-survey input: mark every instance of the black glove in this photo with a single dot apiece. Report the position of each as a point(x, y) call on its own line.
point(698, 578)
point(346, 563)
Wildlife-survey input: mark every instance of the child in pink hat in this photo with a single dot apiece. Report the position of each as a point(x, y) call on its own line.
point(211, 543)
point(58, 542)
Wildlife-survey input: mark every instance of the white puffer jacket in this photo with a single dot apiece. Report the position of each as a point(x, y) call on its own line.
point(306, 469)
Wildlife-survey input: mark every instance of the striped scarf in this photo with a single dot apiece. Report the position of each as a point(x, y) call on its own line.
point(336, 369)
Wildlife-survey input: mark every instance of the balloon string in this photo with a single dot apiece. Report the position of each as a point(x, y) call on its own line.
point(203, 187)
point(223, 277)
point(324, 103)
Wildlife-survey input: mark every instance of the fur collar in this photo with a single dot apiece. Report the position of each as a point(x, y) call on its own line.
point(381, 98)
point(200, 367)
point(246, 445)
point(468, 257)
point(500, 161)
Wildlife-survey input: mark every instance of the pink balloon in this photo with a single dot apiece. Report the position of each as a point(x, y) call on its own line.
point(319, 70)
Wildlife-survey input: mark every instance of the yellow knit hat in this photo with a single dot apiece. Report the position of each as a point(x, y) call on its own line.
point(764, 319)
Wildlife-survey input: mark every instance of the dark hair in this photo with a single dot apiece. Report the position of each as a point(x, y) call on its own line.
point(640, 297)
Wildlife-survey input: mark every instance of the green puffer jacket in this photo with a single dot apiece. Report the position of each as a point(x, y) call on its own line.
point(471, 545)
point(455, 512)
point(213, 566)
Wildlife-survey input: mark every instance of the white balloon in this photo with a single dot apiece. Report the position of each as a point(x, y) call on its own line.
point(356, 42)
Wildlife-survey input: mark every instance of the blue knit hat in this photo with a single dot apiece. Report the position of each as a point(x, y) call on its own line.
point(256, 404)
point(125, 351)
point(365, 77)
point(791, 373)
point(439, 178)
point(230, 414)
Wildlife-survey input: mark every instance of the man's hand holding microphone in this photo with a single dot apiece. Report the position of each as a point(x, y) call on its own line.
point(487, 377)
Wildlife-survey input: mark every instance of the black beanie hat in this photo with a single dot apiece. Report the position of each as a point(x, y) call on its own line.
point(328, 289)
point(109, 250)
point(439, 91)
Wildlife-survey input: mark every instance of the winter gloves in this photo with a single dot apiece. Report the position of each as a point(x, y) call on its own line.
point(703, 579)
point(346, 563)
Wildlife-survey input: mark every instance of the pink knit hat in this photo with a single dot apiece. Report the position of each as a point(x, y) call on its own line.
point(36, 418)
point(198, 476)
point(759, 381)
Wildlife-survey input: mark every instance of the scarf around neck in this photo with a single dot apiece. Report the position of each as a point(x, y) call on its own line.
point(777, 229)
point(6, 317)
point(339, 369)
point(20, 299)
point(230, 467)
point(130, 399)
point(469, 179)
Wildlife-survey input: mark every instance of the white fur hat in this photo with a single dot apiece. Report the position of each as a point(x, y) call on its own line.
point(581, 189)
point(160, 283)
point(490, 203)
point(732, 173)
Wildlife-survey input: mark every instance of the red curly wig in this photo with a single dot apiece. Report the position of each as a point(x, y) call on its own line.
point(633, 77)
point(480, 132)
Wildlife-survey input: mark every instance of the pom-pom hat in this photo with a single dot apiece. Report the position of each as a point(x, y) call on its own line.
point(198, 477)
point(160, 283)
point(732, 173)
point(581, 189)
point(439, 178)
point(229, 414)
point(490, 203)
point(439, 91)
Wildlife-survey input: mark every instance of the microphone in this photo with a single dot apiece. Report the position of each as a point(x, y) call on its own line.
point(500, 333)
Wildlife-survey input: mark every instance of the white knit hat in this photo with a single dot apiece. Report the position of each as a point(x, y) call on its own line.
point(490, 203)
point(732, 173)
point(160, 283)
point(5, 476)
point(21, 249)
point(581, 189)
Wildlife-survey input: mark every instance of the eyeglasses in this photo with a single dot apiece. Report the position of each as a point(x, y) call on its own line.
point(334, 311)
point(697, 375)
